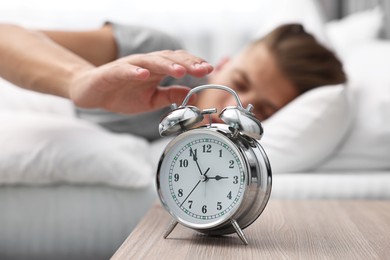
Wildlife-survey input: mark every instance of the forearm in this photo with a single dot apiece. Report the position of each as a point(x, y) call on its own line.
point(96, 46)
point(31, 60)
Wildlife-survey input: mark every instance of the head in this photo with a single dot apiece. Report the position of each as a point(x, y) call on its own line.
point(274, 70)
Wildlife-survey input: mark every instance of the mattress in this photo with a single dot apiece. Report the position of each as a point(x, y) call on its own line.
point(68, 221)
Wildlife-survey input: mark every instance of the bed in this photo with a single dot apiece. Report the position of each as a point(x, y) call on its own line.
point(65, 187)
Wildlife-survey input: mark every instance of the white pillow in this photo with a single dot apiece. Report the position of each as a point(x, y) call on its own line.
point(367, 146)
point(13, 98)
point(41, 149)
point(354, 29)
point(307, 131)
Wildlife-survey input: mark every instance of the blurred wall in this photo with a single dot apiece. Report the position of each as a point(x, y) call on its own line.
point(212, 29)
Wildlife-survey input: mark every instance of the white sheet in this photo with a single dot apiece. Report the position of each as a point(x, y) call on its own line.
point(332, 185)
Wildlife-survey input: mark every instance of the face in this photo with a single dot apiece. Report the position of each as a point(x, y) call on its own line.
point(256, 78)
point(201, 179)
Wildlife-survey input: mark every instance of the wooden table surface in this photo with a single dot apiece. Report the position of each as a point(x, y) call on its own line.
point(288, 229)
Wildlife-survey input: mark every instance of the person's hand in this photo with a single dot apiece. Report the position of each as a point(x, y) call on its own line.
point(131, 84)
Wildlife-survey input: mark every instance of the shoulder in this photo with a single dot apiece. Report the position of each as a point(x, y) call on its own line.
point(133, 39)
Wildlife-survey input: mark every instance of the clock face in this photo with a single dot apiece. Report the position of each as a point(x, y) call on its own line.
point(201, 178)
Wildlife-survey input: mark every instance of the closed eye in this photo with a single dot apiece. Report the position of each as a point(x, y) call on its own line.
point(264, 110)
point(241, 80)
point(239, 86)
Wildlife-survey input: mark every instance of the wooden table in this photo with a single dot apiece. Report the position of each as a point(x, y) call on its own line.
point(289, 229)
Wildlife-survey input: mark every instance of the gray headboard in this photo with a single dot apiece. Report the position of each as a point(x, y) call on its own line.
point(336, 9)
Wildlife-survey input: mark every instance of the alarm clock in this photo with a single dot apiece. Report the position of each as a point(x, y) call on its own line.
point(216, 178)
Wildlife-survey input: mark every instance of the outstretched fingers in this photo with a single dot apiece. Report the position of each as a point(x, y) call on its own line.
point(172, 63)
point(194, 66)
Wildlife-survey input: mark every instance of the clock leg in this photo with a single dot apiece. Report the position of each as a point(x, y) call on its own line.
point(170, 228)
point(239, 232)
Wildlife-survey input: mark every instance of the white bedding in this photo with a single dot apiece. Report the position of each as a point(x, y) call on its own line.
point(43, 146)
point(332, 185)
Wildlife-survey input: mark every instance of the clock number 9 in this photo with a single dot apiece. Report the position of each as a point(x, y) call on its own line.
point(176, 177)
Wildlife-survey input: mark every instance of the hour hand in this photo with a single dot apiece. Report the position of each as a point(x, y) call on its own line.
point(217, 177)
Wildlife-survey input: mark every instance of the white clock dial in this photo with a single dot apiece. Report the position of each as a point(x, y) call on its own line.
point(202, 179)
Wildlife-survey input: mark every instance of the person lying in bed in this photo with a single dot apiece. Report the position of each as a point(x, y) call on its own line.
point(118, 68)
point(267, 73)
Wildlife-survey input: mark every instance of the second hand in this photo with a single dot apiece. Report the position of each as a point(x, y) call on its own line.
point(190, 193)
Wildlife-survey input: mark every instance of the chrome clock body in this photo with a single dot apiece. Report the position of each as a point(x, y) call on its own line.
point(216, 178)
point(255, 181)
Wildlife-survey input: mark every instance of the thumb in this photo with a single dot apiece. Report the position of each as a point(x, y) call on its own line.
point(165, 96)
point(123, 72)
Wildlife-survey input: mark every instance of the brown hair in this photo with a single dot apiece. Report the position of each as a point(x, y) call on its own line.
point(304, 61)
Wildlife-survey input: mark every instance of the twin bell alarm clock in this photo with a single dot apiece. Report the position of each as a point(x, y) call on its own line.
point(216, 178)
